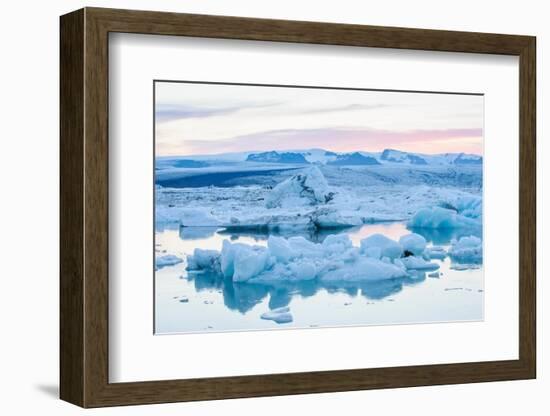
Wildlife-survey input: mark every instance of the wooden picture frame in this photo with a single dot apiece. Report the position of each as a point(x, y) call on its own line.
point(84, 207)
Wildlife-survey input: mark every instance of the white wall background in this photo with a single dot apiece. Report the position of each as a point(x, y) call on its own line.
point(29, 208)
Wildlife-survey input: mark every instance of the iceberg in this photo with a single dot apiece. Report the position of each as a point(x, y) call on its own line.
point(278, 315)
point(309, 187)
point(363, 269)
point(469, 206)
point(467, 250)
point(454, 212)
point(332, 218)
point(378, 246)
point(168, 260)
point(204, 260)
point(418, 263)
point(297, 259)
point(280, 249)
point(435, 252)
point(438, 217)
point(413, 243)
point(242, 262)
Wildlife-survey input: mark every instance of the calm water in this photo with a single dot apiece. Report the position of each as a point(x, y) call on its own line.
point(191, 302)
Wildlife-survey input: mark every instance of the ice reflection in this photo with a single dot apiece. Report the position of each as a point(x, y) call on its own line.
point(205, 302)
point(392, 230)
point(243, 297)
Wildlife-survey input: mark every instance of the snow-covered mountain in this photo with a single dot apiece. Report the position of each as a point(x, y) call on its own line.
point(387, 156)
point(391, 155)
point(276, 157)
point(356, 158)
point(322, 157)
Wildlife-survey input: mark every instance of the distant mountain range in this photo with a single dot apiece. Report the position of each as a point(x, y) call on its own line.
point(325, 157)
point(276, 157)
point(354, 158)
point(322, 157)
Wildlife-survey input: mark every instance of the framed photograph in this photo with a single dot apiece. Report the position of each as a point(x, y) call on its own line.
point(255, 207)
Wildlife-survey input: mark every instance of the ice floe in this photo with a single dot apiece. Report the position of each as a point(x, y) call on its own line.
point(297, 259)
point(204, 260)
point(278, 315)
point(167, 260)
point(435, 252)
point(467, 250)
point(418, 263)
point(452, 212)
point(438, 217)
point(413, 243)
point(378, 246)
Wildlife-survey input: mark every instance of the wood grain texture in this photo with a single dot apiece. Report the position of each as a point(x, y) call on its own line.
point(71, 100)
point(84, 207)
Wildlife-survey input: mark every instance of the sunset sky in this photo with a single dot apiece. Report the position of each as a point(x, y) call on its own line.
point(204, 119)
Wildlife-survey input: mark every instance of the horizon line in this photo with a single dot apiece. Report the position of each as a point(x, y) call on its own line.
point(315, 148)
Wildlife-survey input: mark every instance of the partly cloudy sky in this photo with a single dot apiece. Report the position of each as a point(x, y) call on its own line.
point(203, 119)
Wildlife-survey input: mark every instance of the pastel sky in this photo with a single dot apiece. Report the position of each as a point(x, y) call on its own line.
point(205, 119)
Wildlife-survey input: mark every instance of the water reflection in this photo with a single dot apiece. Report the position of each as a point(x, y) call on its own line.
point(392, 230)
point(243, 297)
point(311, 234)
point(213, 303)
point(196, 233)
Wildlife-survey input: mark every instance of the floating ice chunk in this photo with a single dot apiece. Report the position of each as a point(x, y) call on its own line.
point(399, 264)
point(309, 187)
point(469, 206)
point(280, 249)
point(438, 217)
point(435, 252)
point(335, 243)
point(374, 252)
point(413, 243)
point(467, 250)
point(466, 266)
point(362, 270)
point(204, 260)
point(193, 217)
point(241, 261)
point(295, 271)
point(418, 263)
point(227, 258)
point(303, 270)
point(297, 259)
point(249, 261)
point(279, 315)
point(378, 245)
point(305, 248)
point(168, 260)
point(331, 218)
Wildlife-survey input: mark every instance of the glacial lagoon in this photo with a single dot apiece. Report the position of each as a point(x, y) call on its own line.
point(190, 301)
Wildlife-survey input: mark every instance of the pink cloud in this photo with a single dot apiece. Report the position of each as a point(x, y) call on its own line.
point(339, 140)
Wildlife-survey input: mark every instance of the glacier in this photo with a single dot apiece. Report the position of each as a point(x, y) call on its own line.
point(302, 198)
